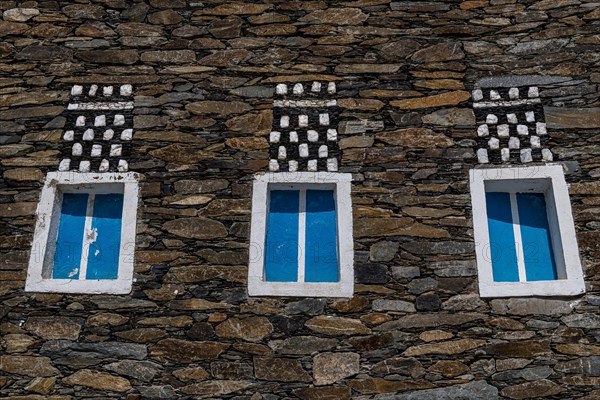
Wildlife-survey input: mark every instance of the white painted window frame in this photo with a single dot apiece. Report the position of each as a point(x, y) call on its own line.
point(46, 228)
point(550, 180)
point(341, 185)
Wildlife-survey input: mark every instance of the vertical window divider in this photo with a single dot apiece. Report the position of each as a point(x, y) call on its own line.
point(87, 239)
point(302, 235)
point(514, 208)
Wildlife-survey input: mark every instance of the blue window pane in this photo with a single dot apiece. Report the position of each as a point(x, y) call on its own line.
point(502, 239)
point(69, 241)
point(535, 233)
point(281, 252)
point(321, 260)
point(103, 256)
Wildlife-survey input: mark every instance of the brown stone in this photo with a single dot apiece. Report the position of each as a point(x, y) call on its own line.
point(84, 11)
point(452, 347)
point(24, 174)
point(28, 365)
point(125, 57)
point(106, 319)
point(383, 227)
point(355, 304)
point(94, 29)
point(196, 274)
point(17, 342)
point(440, 52)
point(248, 143)
point(235, 9)
point(165, 17)
point(169, 56)
point(259, 123)
point(451, 117)
point(218, 107)
point(421, 138)
point(191, 374)
point(280, 370)
point(41, 385)
point(32, 97)
point(196, 304)
point(374, 155)
point(337, 16)
point(407, 366)
point(226, 28)
point(530, 390)
point(571, 118)
point(523, 349)
point(367, 68)
point(438, 100)
point(328, 368)
point(12, 28)
point(142, 335)
point(225, 58)
point(186, 352)
point(273, 30)
point(139, 29)
point(336, 326)
point(181, 321)
point(360, 104)
point(252, 328)
point(53, 327)
point(423, 320)
point(220, 387)
point(97, 380)
point(372, 342)
point(379, 385)
point(449, 368)
point(196, 228)
point(323, 393)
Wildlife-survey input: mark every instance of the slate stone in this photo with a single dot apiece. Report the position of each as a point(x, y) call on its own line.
point(280, 370)
point(466, 391)
point(520, 80)
point(370, 273)
point(306, 306)
point(40, 53)
point(428, 302)
point(106, 349)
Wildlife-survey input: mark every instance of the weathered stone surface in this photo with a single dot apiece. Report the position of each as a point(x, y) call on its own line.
point(452, 347)
point(471, 390)
point(451, 117)
point(572, 118)
point(531, 306)
point(323, 393)
point(40, 53)
point(53, 327)
point(12, 28)
point(528, 390)
point(104, 349)
point(169, 56)
point(17, 343)
point(197, 228)
point(186, 352)
point(379, 385)
point(126, 57)
point(299, 345)
point(143, 371)
point(231, 370)
point(336, 326)
point(438, 100)
point(218, 107)
point(191, 374)
point(415, 138)
point(280, 370)
point(382, 227)
point(41, 385)
point(521, 349)
point(20, 14)
point(220, 387)
point(400, 365)
point(329, 368)
point(440, 52)
point(586, 321)
point(251, 328)
point(97, 380)
point(337, 16)
point(393, 305)
point(28, 365)
point(430, 320)
point(448, 368)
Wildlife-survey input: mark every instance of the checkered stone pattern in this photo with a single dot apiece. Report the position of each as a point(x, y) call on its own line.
point(304, 132)
point(511, 125)
point(99, 129)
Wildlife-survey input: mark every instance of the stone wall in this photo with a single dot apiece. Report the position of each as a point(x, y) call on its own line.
point(204, 77)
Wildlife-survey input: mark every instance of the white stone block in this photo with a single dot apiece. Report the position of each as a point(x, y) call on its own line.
point(100, 120)
point(512, 118)
point(482, 156)
point(76, 90)
point(107, 90)
point(514, 143)
point(96, 150)
point(293, 137)
point(526, 156)
point(331, 134)
point(513, 93)
point(123, 166)
point(80, 121)
point(282, 153)
point(88, 134)
point(533, 92)
point(547, 155)
point(84, 166)
point(494, 143)
point(331, 88)
point(302, 121)
point(298, 89)
point(535, 142)
point(491, 119)
point(316, 87)
point(522, 130)
point(483, 130)
point(530, 116)
point(93, 90)
point(69, 136)
point(323, 151)
point(332, 164)
point(312, 165)
point(64, 165)
point(116, 150)
point(284, 122)
point(126, 90)
point(127, 134)
point(477, 95)
point(540, 128)
point(494, 95)
point(108, 134)
point(104, 165)
point(324, 119)
point(312, 135)
point(503, 130)
point(505, 154)
point(119, 120)
point(293, 165)
point(273, 165)
point(303, 149)
point(281, 88)
point(275, 137)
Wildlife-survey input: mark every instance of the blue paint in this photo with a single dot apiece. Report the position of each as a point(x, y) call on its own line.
point(321, 260)
point(281, 258)
point(535, 233)
point(103, 256)
point(502, 239)
point(69, 241)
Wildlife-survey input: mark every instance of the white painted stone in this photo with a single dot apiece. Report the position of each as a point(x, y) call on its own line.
point(126, 90)
point(477, 95)
point(116, 150)
point(503, 130)
point(69, 136)
point(282, 153)
point(84, 166)
point(80, 121)
point(482, 156)
point(332, 164)
point(304, 103)
point(504, 154)
point(331, 134)
point(522, 130)
point(281, 88)
point(331, 88)
point(127, 134)
point(323, 151)
point(293, 165)
point(96, 150)
point(93, 90)
point(107, 90)
point(302, 121)
point(514, 143)
point(535, 142)
point(108, 134)
point(284, 122)
point(64, 165)
point(312, 135)
point(273, 165)
point(76, 90)
point(88, 134)
point(274, 137)
point(324, 119)
point(316, 87)
point(303, 150)
point(494, 143)
point(123, 166)
point(512, 118)
point(298, 89)
point(312, 165)
point(526, 156)
point(100, 120)
point(494, 95)
point(547, 155)
point(483, 130)
point(533, 92)
point(104, 166)
point(77, 149)
point(540, 128)
point(530, 116)
point(119, 120)
point(510, 103)
point(491, 119)
point(99, 105)
point(513, 93)
point(293, 137)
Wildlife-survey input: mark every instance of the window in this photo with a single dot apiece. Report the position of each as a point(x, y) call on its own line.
point(85, 234)
point(301, 235)
point(524, 233)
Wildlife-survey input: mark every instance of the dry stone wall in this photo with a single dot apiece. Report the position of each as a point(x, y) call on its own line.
point(203, 77)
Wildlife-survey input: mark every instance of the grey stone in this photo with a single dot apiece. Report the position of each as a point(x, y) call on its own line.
point(383, 251)
point(157, 392)
point(539, 46)
point(370, 273)
point(299, 345)
point(354, 127)
point(585, 321)
point(400, 365)
point(447, 247)
point(455, 268)
point(539, 306)
point(451, 117)
point(587, 366)
point(231, 370)
point(411, 119)
point(143, 371)
point(405, 272)
point(41, 53)
point(418, 286)
point(468, 391)
point(254, 91)
point(306, 306)
point(570, 167)
point(418, 6)
point(529, 374)
point(393, 305)
point(593, 300)
point(520, 80)
point(106, 349)
point(538, 324)
point(428, 302)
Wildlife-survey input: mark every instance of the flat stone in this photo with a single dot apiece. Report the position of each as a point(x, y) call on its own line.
point(451, 347)
point(529, 390)
point(585, 321)
point(539, 46)
point(104, 349)
point(323, 393)
point(471, 390)
point(124, 57)
point(196, 274)
point(306, 306)
point(191, 374)
point(450, 117)
point(41, 385)
point(328, 368)
point(185, 351)
point(231, 370)
point(520, 80)
point(449, 368)
point(53, 327)
point(97, 380)
point(20, 14)
point(423, 320)
point(571, 118)
point(302, 345)
point(17, 342)
point(106, 319)
point(157, 392)
point(28, 365)
point(438, 100)
point(336, 326)
point(406, 366)
point(84, 11)
point(218, 107)
point(523, 349)
point(225, 58)
point(393, 305)
point(531, 306)
point(367, 68)
point(418, 6)
point(235, 9)
point(226, 28)
point(251, 328)
point(196, 228)
point(254, 91)
point(143, 371)
point(12, 28)
point(529, 374)
point(379, 385)
point(274, 30)
point(440, 52)
point(355, 304)
point(587, 366)
point(360, 104)
point(383, 251)
point(220, 387)
point(383, 227)
point(372, 342)
point(169, 56)
point(420, 138)
point(428, 302)
point(446, 247)
point(142, 335)
point(280, 370)
point(337, 16)
point(165, 17)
